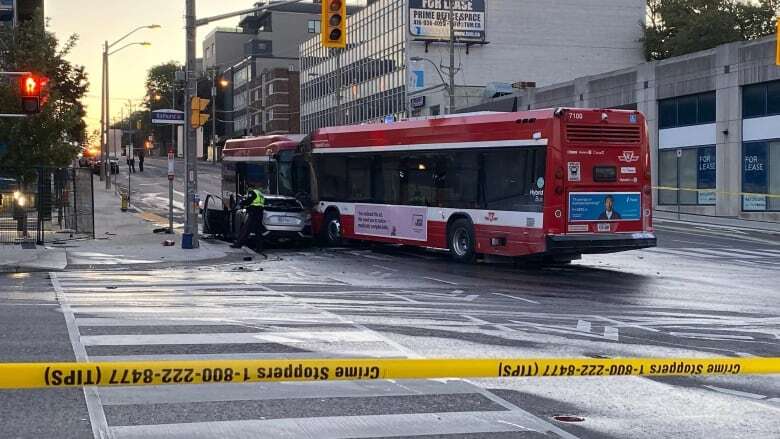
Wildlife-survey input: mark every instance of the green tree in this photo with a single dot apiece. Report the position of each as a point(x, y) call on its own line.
point(677, 27)
point(160, 81)
point(52, 137)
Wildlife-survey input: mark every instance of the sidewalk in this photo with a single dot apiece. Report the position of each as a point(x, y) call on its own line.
point(121, 239)
point(758, 226)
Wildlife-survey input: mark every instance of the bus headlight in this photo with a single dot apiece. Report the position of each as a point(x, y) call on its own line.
point(21, 200)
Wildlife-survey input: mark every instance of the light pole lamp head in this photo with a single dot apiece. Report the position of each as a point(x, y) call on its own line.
point(154, 26)
point(415, 59)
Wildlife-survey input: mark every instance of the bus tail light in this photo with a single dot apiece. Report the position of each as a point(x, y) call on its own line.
point(648, 190)
point(559, 174)
point(559, 190)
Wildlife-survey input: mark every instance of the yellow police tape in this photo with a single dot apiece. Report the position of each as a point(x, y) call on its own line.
point(713, 191)
point(36, 375)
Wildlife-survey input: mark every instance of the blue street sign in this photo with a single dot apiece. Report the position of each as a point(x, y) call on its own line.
point(168, 117)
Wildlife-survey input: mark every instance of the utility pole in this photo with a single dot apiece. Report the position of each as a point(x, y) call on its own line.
point(339, 108)
point(214, 115)
point(190, 237)
point(106, 169)
point(103, 113)
point(452, 57)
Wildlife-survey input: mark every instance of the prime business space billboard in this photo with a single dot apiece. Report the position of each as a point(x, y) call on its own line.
point(430, 20)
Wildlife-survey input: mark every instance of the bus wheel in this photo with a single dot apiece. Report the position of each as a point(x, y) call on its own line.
point(462, 242)
point(331, 231)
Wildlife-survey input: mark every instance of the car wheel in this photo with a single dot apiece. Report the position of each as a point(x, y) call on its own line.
point(462, 242)
point(331, 229)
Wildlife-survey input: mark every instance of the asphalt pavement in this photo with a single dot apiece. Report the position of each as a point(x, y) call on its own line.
point(705, 291)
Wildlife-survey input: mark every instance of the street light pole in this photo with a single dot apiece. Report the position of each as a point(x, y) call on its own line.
point(106, 168)
point(103, 114)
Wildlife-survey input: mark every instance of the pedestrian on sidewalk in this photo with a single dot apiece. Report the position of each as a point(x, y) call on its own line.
point(141, 156)
point(131, 163)
point(254, 203)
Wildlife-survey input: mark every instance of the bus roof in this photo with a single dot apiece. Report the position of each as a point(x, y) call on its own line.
point(260, 147)
point(475, 127)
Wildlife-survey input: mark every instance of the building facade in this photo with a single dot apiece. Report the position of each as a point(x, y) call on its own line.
point(714, 124)
point(13, 12)
point(276, 98)
point(392, 67)
point(271, 44)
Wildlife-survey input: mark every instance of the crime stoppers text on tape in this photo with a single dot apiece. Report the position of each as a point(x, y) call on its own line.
point(35, 375)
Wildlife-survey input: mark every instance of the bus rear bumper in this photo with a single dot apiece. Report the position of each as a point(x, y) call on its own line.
point(601, 243)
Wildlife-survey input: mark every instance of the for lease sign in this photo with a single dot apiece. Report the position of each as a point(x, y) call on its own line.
point(430, 19)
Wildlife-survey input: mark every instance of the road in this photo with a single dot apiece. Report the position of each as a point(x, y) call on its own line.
point(150, 188)
point(705, 291)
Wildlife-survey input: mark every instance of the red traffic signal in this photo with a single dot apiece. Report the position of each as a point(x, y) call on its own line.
point(31, 89)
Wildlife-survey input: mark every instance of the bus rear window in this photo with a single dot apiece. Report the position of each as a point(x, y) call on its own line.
point(604, 174)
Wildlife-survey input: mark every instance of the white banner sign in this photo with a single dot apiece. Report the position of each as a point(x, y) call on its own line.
point(402, 222)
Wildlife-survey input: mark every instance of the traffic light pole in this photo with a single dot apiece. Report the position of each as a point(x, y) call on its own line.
point(452, 57)
point(190, 237)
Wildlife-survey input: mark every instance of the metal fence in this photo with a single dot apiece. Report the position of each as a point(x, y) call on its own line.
point(41, 205)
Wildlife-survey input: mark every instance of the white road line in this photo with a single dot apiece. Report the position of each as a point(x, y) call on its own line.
point(711, 336)
point(583, 325)
point(517, 298)
point(761, 253)
point(285, 390)
point(97, 417)
point(231, 338)
point(680, 252)
point(728, 254)
point(736, 392)
point(332, 427)
point(440, 280)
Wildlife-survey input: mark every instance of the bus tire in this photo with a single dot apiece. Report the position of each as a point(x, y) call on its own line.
point(462, 241)
point(331, 229)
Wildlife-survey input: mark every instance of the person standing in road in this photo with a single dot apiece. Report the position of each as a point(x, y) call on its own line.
point(131, 162)
point(254, 203)
point(141, 156)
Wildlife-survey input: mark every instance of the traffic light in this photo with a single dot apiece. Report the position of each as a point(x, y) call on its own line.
point(32, 92)
point(777, 45)
point(198, 119)
point(334, 24)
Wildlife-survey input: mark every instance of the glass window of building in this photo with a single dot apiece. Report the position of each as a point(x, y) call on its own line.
point(689, 175)
point(760, 100)
point(687, 110)
point(761, 176)
point(314, 26)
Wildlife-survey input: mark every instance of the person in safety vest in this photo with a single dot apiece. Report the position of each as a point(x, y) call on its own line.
point(253, 202)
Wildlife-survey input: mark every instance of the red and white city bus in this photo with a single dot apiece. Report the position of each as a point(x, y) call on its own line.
point(264, 163)
point(554, 183)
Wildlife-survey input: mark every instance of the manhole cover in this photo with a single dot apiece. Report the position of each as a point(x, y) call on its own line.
point(568, 418)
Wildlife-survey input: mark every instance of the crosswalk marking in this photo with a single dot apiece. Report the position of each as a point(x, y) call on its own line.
point(136, 316)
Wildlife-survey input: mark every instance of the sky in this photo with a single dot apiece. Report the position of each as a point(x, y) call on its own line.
point(96, 21)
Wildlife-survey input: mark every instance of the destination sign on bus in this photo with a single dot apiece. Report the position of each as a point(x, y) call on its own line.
point(430, 20)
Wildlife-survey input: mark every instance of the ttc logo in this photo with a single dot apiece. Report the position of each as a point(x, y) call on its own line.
point(629, 157)
point(491, 217)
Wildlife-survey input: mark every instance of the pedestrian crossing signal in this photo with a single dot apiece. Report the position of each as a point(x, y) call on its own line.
point(32, 93)
point(334, 24)
point(197, 118)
